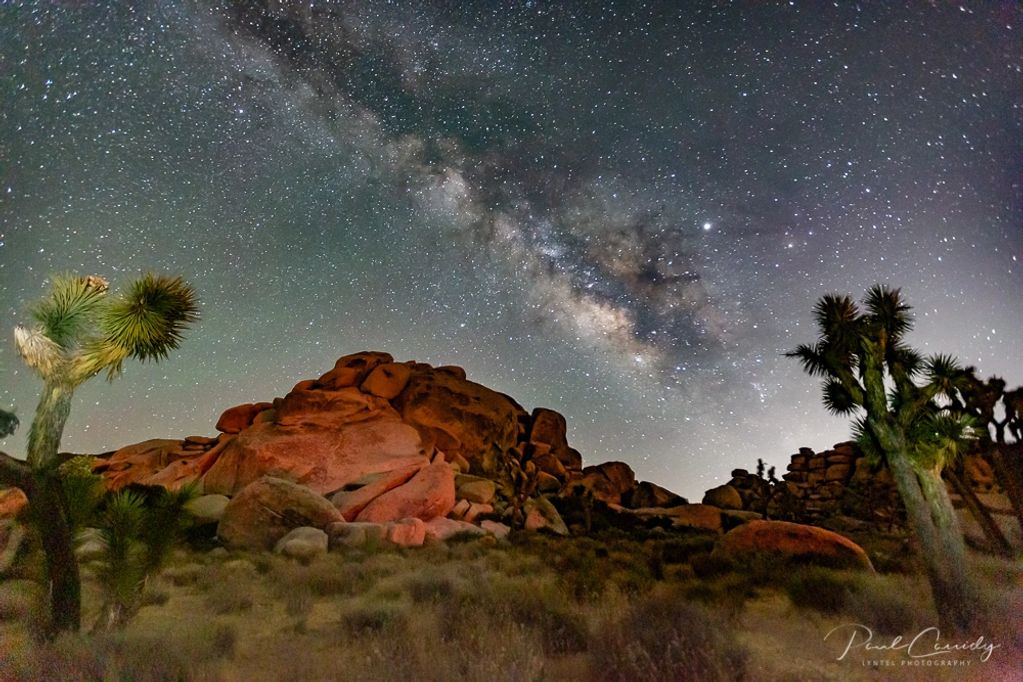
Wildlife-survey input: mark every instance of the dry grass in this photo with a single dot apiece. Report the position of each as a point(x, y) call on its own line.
point(626, 608)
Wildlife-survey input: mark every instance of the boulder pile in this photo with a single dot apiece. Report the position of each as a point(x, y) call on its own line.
point(379, 451)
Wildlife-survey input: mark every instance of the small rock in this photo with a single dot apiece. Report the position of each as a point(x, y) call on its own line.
point(460, 509)
point(546, 483)
point(496, 528)
point(441, 529)
point(477, 510)
point(410, 532)
point(355, 534)
point(302, 543)
point(475, 489)
point(207, 508)
point(541, 515)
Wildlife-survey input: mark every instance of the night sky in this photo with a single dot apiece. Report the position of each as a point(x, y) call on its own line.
point(622, 211)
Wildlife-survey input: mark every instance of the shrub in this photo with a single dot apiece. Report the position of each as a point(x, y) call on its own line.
point(373, 617)
point(891, 605)
point(708, 565)
point(820, 589)
point(662, 637)
point(126, 655)
point(681, 550)
point(431, 586)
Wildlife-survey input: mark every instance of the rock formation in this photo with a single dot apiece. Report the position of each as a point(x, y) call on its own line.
point(839, 488)
point(420, 451)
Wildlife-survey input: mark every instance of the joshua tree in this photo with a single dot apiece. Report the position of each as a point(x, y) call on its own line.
point(81, 330)
point(869, 371)
point(138, 528)
point(980, 399)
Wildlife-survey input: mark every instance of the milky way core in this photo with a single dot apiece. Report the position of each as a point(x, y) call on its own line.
point(622, 211)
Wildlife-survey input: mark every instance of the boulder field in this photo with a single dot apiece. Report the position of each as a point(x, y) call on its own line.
point(376, 451)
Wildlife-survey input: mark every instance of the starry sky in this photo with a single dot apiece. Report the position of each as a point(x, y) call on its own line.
point(622, 211)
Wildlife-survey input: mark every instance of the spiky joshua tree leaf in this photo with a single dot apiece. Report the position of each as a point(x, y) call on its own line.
point(149, 320)
point(68, 312)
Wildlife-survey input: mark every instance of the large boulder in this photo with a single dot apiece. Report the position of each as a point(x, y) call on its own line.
point(354, 497)
point(542, 515)
point(462, 418)
point(608, 482)
point(351, 370)
point(548, 440)
point(266, 509)
point(723, 496)
point(321, 449)
point(239, 417)
point(387, 380)
point(12, 503)
point(427, 495)
point(793, 542)
point(207, 508)
point(647, 494)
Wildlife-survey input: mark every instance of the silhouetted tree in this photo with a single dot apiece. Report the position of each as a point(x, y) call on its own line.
point(980, 399)
point(869, 371)
point(80, 330)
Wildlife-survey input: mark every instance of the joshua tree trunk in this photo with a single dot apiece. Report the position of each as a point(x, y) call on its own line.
point(956, 603)
point(48, 425)
point(47, 504)
point(49, 508)
point(979, 512)
point(938, 535)
point(1009, 475)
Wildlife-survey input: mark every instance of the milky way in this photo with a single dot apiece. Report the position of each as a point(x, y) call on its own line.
point(624, 211)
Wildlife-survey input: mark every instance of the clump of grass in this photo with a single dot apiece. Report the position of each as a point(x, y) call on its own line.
point(324, 576)
point(821, 589)
point(708, 565)
point(126, 655)
point(18, 599)
point(890, 605)
point(535, 603)
point(681, 550)
point(663, 637)
point(186, 574)
point(430, 587)
point(373, 616)
point(232, 596)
